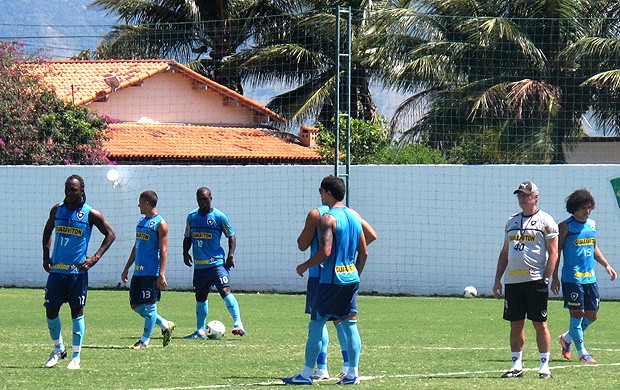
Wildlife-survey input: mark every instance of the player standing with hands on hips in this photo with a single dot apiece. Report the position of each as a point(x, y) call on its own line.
point(578, 244)
point(527, 261)
point(150, 255)
point(204, 229)
point(343, 253)
point(72, 221)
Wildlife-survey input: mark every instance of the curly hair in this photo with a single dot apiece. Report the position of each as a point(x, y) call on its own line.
point(578, 199)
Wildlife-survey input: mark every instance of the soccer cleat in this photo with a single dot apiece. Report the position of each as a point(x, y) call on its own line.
point(167, 333)
point(139, 345)
point(55, 356)
point(320, 375)
point(349, 381)
point(587, 359)
point(196, 335)
point(74, 364)
point(544, 375)
point(342, 374)
point(514, 373)
point(238, 330)
point(565, 347)
point(297, 380)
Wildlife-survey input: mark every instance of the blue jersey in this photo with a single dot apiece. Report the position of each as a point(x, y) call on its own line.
point(339, 267)
point(71, 238)
point(146, 260)
point(579, 252)
point(315, 272)
point(206, 232)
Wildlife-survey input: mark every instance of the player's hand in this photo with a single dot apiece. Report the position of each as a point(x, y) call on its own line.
point(124, 276)
point(47, 264)
point(301, 268)
point(497, 290)
point(230, 263)
point(187, 259)
point(87, 264)
point(555, 286)
point(162, 283)
point(612, 273)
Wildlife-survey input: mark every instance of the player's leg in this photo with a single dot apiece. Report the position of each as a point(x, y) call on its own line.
point(222, 283)
point(54, 298)
point(537, 299)
point(353, 348)
point(321, 362)
point(313, 348)
point(142, 293)
point(514, 311)
point(201, 292)
point(78, 289)
point(591, 300)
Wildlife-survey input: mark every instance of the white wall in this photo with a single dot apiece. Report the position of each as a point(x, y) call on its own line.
point(440, 227)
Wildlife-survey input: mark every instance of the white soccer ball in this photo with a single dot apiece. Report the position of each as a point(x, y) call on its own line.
point(215, 330)
point(470, 292)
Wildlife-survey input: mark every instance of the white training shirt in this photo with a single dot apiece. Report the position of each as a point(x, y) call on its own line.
point(527, 249)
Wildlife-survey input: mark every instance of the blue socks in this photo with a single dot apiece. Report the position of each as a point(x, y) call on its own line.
point(78, 335)
point(202, 310)
point(321, 361)
point(233, 307)
point(55, 327)
point(575, 330)
point(354, 342)
point(149, 312)
point(313, 345)
point(344, 344)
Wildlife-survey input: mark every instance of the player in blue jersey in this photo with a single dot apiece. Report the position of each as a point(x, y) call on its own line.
point(342, 252)
point(579, 246)
point(204, 229)
point(309, 238)
point(526, 262)
point(72, 221)
point(149, 256)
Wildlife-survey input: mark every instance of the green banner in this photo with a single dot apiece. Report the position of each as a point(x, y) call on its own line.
point(615, 184)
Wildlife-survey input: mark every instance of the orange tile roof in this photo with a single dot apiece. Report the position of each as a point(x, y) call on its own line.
point(185, 141)
point(84, 81)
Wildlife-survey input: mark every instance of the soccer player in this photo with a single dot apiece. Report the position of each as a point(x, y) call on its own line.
point(577, 241)
point(309, 238)
point(150, 254)
point(527, 261)
point(204, 229)
point(342, 252)
point(72, 220)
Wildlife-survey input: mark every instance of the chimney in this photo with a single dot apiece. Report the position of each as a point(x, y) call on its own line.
point(308, 136)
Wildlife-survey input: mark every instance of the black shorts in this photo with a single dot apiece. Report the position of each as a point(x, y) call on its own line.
point(144, 290)
point(526, 299)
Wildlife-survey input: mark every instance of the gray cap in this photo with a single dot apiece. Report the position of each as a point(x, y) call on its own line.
point(527, 187)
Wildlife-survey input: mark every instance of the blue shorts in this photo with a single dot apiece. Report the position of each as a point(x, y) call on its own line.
point(581, 296)
point(313, 284)
point(204, 278)
point(66, 288)
point(334, 301)
point(143, 289)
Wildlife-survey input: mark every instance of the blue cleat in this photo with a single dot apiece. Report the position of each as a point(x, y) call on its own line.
point(238, 330)
point(196, 335)
point(349, 381)
point(297, 380)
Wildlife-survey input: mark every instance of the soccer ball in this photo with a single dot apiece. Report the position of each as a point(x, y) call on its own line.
point(215, 330)
point(470, 292)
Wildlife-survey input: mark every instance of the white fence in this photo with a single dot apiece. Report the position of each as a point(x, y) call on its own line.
point(440, 227)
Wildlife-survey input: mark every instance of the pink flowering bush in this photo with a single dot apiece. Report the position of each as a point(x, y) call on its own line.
point(38, 128)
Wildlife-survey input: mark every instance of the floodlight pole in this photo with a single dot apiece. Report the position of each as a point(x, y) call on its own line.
point(343, 71)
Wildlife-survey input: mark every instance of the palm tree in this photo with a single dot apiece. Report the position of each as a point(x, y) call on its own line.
point(509, 72)
point(300, 54)
point(202, 33)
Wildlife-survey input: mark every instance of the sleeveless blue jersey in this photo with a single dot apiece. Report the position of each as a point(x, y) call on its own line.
point(71, 239)
point(315, 272)
point(206, 232)
point(579, 252)
point(146, 260)
point(339, 267)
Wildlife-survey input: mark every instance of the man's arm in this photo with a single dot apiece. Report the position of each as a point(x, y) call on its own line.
point(556, 282)
point(47, 238)
point(327, 226)
point(97, 219)
point(552, 260)
point(130, 260)
point(362, 254)
point(232, 245)
point(598, 256)
point(502, 264)
point(307, 234)
point(369, 233)
point(162, 234)
point(187, 244)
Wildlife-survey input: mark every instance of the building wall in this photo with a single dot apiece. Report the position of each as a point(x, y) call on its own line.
point(169, 97)
point(440, 227)
point(597, 150)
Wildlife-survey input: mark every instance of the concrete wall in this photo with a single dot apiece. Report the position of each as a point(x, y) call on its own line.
point(440, 227)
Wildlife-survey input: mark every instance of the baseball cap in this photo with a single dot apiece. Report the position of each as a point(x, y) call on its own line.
point(527, 187)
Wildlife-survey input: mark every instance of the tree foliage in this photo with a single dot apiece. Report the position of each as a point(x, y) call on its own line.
point(38, 128)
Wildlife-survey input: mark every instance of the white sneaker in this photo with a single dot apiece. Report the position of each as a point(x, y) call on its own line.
point(55, 356)
point(74, 364)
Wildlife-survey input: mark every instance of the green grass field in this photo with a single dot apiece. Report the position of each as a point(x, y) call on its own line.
point(408, 342)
